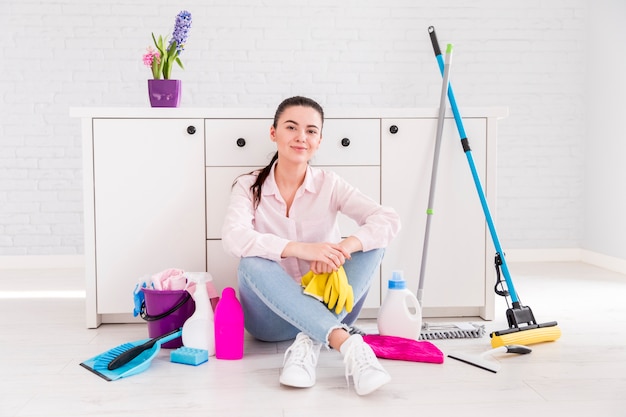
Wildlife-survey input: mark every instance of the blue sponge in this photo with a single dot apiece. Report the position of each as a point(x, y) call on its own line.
point(189, 356)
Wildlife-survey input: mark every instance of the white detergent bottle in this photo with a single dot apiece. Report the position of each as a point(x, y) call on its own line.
point(198, 330)
point(400, 314)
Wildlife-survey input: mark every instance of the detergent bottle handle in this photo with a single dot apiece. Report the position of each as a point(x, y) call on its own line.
point(411, 301)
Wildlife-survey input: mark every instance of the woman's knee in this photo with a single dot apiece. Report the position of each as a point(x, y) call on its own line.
point(372, 257)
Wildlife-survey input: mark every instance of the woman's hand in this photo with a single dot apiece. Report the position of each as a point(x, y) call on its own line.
point(328, 257)
point(324, 257)
point(320, 267)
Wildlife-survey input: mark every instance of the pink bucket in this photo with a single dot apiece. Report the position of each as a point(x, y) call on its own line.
point(166, 311)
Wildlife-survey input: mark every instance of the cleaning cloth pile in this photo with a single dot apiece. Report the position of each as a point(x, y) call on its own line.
point(172, 279)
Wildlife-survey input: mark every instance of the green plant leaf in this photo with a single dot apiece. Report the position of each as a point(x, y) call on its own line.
point(156, 70)
point(171, 52)
point(159, 44)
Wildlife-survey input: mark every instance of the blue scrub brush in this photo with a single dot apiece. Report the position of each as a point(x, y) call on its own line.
point(128, 359)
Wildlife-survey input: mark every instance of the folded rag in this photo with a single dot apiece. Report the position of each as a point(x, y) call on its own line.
point(400, 348)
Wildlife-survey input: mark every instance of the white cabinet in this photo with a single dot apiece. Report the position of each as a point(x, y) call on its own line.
point(148, 206)
point(157, 183)
point(458, 276)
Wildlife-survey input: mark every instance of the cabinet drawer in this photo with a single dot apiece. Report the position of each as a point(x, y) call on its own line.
point(246, 142)
point(238, 142)
point(349, 142)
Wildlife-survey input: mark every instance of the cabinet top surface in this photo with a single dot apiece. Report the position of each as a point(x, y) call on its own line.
point(263, 113)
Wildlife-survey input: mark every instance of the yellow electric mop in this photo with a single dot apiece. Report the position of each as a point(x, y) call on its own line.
point(523, 328)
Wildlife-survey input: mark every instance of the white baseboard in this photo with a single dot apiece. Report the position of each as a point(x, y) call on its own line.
point(544, 255)
point(604, 261)
point(42, 262)
point(567, 255)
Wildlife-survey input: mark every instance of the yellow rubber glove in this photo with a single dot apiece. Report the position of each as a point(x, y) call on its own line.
point(314, 284)
point(338, 292)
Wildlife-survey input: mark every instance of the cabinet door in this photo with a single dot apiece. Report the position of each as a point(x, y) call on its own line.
point(149, 203)
point(455, 264)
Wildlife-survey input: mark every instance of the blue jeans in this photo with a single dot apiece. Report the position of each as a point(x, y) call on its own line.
point(276, 309)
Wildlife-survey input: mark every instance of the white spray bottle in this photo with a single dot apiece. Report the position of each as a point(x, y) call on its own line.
point(198, 330)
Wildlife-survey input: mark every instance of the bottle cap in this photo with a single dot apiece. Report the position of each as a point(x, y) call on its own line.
point(397, 281)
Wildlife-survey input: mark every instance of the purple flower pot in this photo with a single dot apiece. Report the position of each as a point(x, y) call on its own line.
point(164, 93)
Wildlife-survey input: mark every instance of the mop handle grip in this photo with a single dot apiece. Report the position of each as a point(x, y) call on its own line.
point(434, 41)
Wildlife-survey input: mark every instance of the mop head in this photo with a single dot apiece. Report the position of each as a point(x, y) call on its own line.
point(526, 336)
point(452, 331)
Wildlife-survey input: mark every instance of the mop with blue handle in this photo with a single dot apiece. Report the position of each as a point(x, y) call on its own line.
point(523, 328)
point(433, 331)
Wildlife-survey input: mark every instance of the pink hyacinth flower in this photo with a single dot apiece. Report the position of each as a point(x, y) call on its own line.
point(150, 56)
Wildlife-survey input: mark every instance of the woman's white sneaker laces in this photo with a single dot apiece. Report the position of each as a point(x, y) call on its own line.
point(299, 362)
point(361, 363)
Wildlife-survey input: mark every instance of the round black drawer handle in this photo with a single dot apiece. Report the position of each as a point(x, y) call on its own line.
point(345, 142)
point(393, 129)
point(241, 142)
point(191, 130)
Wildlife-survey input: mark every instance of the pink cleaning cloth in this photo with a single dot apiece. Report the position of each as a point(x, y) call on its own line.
point(171, 279)
point(400, 348)
point(214, 296)
point(210, 288)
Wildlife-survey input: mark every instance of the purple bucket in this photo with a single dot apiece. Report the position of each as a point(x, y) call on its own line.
point(166, 311)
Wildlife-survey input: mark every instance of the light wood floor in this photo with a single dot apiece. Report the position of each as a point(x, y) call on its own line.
point(43, 340)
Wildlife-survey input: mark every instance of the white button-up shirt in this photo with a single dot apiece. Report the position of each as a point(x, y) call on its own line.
point(265, 232)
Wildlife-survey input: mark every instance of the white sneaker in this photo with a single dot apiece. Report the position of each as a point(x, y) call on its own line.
point(300, 361)
point(361, 363)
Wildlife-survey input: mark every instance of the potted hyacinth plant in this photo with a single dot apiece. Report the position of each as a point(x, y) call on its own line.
point(164, 91)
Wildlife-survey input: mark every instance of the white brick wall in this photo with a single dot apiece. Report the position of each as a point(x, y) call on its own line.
point(529, 56)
